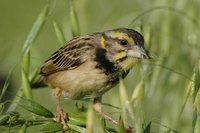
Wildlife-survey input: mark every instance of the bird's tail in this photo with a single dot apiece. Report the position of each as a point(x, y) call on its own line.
point(38, 83)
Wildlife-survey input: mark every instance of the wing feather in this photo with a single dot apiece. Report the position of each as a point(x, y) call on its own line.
point(67, 57)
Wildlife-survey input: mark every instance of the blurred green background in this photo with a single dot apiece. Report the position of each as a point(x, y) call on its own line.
point(171, 31)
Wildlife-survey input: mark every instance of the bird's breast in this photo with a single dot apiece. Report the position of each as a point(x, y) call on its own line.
point(86, 81)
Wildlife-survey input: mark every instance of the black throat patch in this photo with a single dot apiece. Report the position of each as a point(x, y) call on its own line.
point(103, 63)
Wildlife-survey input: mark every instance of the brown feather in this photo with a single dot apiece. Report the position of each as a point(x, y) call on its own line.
point(69, 57)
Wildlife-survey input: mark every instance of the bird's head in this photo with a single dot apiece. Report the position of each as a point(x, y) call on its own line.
point(124, 46)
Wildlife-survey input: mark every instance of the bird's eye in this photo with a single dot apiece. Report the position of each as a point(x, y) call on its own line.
point(123, 42)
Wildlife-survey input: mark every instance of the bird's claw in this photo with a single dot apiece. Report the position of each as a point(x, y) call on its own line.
point(62, 117)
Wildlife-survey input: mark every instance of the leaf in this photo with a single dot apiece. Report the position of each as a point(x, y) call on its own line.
point(77, 119)
point(26, 85)
point(126, 108)
point(51, 127)
point(23, 128)
point(147, 129)
point(35, 108)
point(121, 126)
point(197, 126)
point(1, 107)
point(187, 95)
point(59, 33)
point(137, 98)
point(90, 120)
point(13, 117)
point(74, 21)
point(138, 93)
point(77, 128)
point(36, 28)
point(196, 99)
point(196, 81)
point(5, 86)
point(26, 62)
point(93, 122)
point(4, 119)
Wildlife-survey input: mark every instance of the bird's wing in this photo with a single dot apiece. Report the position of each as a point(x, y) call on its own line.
point(66, 58)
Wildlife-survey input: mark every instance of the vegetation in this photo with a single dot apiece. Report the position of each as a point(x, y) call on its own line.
point(159, 95)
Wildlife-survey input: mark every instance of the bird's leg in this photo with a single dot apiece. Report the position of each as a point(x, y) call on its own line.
point(98, 107)
point(61, 116)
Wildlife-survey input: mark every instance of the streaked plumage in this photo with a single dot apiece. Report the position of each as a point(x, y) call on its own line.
point(88, 66)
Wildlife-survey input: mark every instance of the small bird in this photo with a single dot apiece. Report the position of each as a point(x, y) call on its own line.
point(90, 65)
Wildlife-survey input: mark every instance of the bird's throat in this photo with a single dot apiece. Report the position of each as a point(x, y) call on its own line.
point(128, 63)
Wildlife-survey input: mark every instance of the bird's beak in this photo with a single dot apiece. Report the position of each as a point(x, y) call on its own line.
point(138, 52)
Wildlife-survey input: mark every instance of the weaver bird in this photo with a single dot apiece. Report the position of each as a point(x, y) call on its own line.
point(90, 65)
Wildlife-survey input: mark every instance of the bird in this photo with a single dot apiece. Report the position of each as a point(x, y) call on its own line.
point(90, 65)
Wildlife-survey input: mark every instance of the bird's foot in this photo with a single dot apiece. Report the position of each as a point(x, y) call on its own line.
point(109, 118)
point(62, 117)
point(98, 107)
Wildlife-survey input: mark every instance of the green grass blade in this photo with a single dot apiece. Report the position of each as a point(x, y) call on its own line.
point(59, 33)
point(4, 119)
point(126, 108)
point(137, 98)
point(24, 127)
point(77, 118)
point(123, 100)
point(187, 95)
point(197, 126)
point(138, 93)
point(196, 81)
point(121, 126)
point(74, 20)
point(35, 108)
point(147, 129)
point(26, 85)
point(2, 105)
point(36, 28)
point(77, 128)
point(167, 8)
point(93, 122)
point(90, 120)
point(5, 86)
point(51, 127)
point(196, 100)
